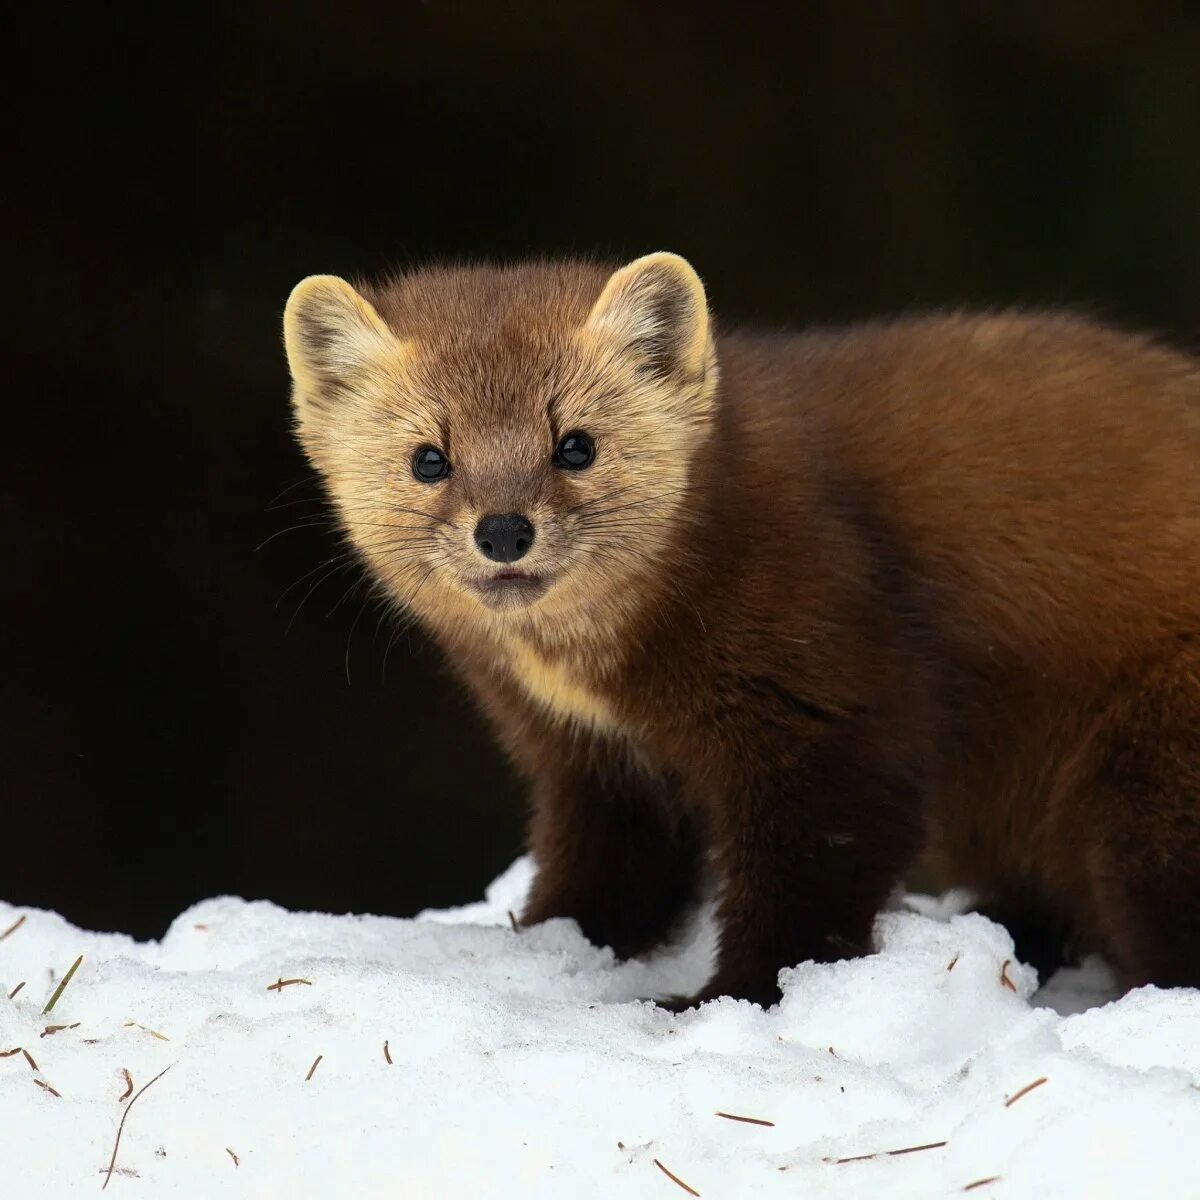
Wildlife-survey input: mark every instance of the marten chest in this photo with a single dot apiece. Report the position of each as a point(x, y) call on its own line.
point(562, 690)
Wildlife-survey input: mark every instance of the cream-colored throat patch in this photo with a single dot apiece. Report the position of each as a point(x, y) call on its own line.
point(554, 686)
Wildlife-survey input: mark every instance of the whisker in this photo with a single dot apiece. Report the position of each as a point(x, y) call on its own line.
point(410, 600)
point(344, 597)
point(296, 503)
point(587, 512)
point(308, 574)
point(328, 575)
point(280, 532)
point(372, 592)
point(291, 487)
point(424, 530)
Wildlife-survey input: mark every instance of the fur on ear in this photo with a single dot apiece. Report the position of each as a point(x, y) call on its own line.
point(332, 334)
point(655, 309)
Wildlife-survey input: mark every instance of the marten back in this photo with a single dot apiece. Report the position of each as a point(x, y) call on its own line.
point(1041, 472)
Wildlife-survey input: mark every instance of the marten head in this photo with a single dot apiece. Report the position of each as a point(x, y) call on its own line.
point(503, 443)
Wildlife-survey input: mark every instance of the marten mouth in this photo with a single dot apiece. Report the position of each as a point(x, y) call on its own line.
point(510, 589)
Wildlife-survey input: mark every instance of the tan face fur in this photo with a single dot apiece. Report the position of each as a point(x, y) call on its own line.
point(492, 367)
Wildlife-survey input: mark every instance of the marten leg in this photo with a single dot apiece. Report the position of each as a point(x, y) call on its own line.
point(1144, 842)
point(1041, 937)
point(613, 850)
point(806, 858)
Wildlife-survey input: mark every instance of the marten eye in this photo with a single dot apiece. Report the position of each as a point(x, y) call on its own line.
point(429, 464)
point(574, 452)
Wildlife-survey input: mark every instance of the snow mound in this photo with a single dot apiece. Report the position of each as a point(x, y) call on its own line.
point(449, 1056)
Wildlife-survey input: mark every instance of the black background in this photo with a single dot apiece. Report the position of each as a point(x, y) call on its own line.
point(166, 736)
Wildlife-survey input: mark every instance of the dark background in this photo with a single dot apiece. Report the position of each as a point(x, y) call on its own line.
point(166, 736)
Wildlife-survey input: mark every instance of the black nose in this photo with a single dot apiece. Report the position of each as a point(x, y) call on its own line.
point(504, 537)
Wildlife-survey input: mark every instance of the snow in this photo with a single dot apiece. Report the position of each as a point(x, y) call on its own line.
point(522, 1065)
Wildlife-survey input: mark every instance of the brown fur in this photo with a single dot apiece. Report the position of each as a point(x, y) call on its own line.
point(919, 590)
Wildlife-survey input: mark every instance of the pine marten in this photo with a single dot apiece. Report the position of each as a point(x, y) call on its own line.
point(802, 609)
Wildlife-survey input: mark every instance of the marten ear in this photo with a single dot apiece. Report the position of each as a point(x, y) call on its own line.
point(656, 310)
point(332, 336)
